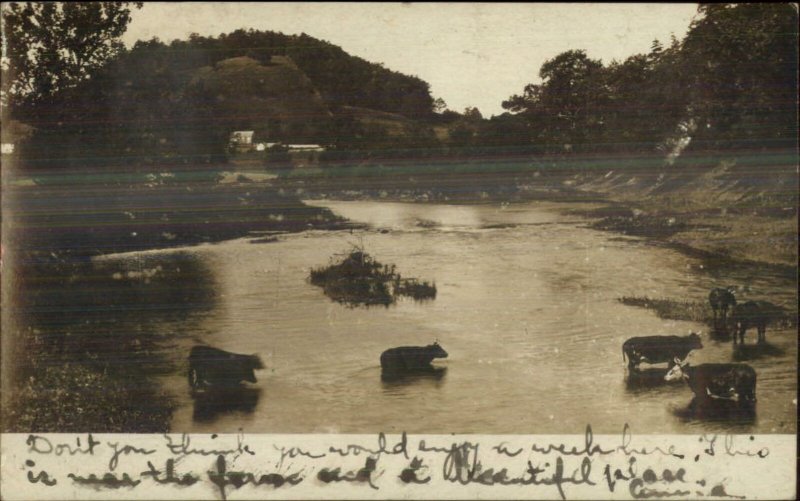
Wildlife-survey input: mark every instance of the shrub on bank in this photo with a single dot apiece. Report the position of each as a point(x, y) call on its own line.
point(671, 309)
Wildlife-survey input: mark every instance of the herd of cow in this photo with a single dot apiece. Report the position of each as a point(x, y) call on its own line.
point(213, 368)
point(709, 382)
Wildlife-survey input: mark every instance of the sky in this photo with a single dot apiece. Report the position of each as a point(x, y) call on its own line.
point(472, 54)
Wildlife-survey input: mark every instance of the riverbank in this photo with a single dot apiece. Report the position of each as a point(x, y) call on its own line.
point(734, 213)
point(83, 214)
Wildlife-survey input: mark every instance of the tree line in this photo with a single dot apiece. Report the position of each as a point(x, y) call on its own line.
point(729, 84)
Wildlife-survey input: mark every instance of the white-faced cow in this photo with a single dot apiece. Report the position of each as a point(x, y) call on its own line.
point(411, 358)
point(658, 349)
point(717, 381)
point(756, 314)
point(721, 301)
point(213, 367)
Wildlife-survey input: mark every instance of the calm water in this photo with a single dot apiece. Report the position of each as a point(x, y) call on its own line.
point(527, 308)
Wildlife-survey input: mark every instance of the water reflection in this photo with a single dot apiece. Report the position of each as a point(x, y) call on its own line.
point(642, 380)
point(742, 352)
point(393, 378)
point(212, 402)
point(118, 309)
point(722, 410)
point(124, 314)
point(719, 333)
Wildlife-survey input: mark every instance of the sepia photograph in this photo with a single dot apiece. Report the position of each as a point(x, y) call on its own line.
point(399, 250)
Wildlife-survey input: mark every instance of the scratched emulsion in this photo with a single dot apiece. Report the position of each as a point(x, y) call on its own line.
point(526, 308)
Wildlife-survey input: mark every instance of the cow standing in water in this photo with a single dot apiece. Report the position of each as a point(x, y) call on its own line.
point(658, 349)
point(214, 367)
point(411, 358)
point(721, 301)
point(756, 314)
point(717, 381)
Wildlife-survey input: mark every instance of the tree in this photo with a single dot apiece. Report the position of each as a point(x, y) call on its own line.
point(647, 100)
point(656, 47)
point(472, 115)
point(742, 60)
point(439, 105)
point(523, 103)
point(568, 107)
point(504, 130)
point(464, 131)
point(630, 117)
point(51, 47)
point(731, 83)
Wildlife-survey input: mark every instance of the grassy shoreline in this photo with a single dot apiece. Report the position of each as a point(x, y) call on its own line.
point(694, 311)
point(671, 309)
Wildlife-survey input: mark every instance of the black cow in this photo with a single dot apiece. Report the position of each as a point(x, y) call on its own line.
point(721, 300)
point(717, 381)
point(658, 349)
point(756, 314)
point(213, 367)
point(410, 358)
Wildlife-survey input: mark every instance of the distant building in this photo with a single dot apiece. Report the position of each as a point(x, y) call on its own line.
point(305, 147)
point(246, 151)
point(241, 141)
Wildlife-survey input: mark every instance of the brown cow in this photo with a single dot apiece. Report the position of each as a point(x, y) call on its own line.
point(756, 314)
point(717, 381)
point(410, 358)
point(214, 367)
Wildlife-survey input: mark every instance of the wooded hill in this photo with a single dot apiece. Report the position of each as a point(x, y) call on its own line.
point(178, 102)
point(729, 85)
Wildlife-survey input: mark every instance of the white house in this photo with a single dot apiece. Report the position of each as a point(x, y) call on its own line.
point(242, 140)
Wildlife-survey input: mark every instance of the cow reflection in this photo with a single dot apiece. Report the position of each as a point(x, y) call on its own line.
point(720, 333)
point(216, 377)
point(742, 352)
point(730, 411)
point(214, 401)
point(391, 377)
point(645, 379)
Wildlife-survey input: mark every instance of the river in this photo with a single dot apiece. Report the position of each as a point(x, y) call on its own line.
point(527, 308)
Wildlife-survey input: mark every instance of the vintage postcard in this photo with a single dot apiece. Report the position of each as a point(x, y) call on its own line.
point(399, 251)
